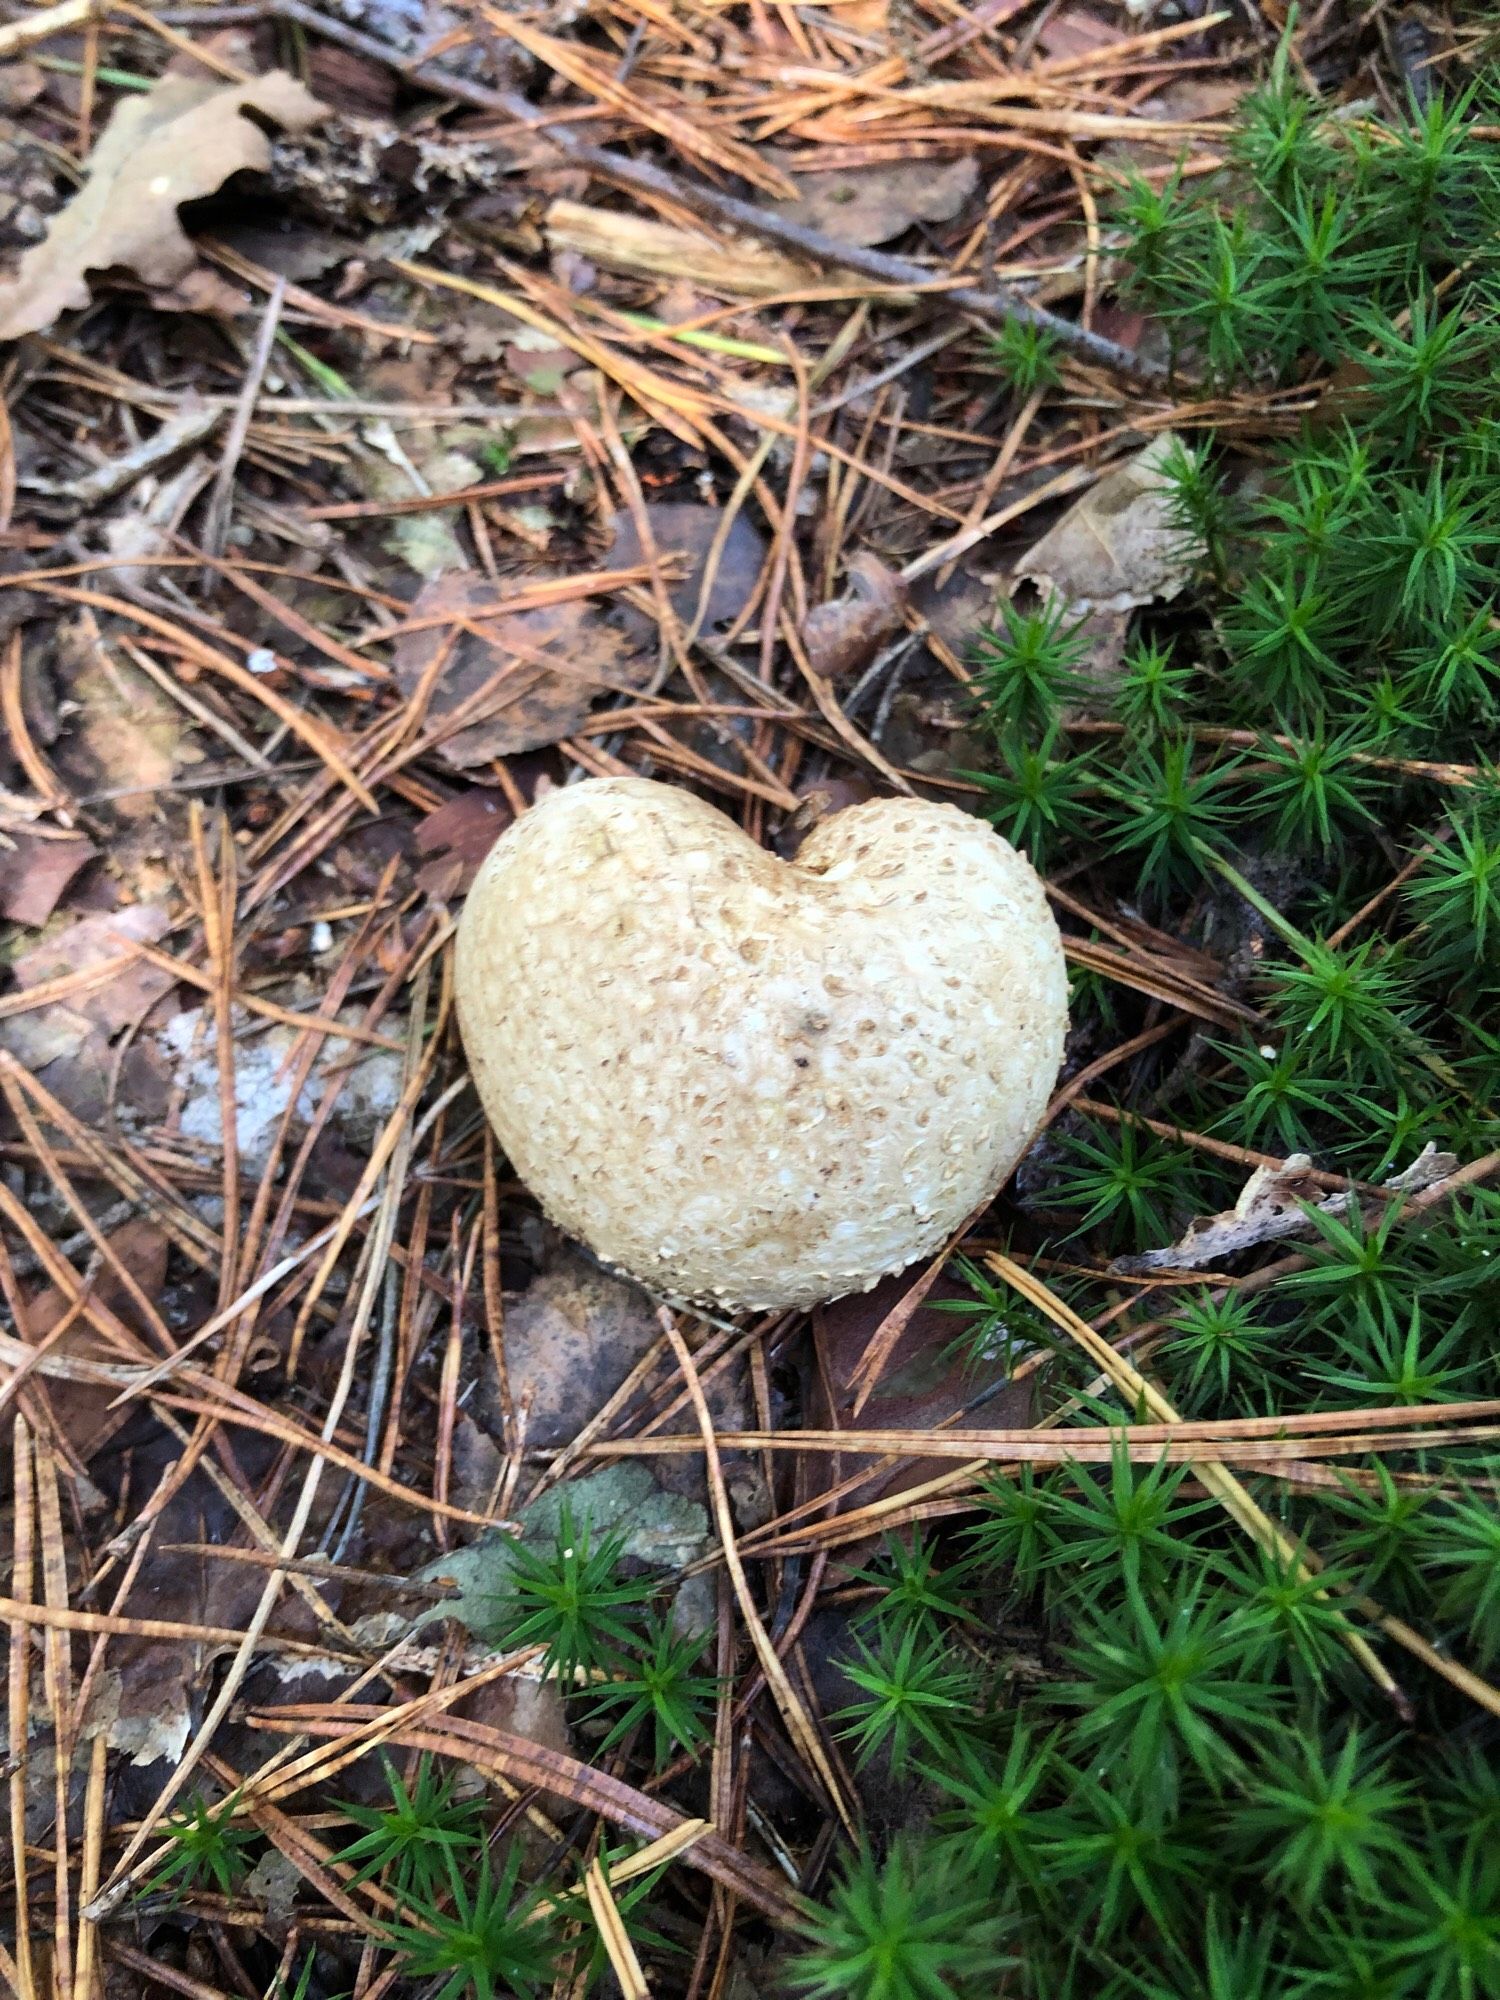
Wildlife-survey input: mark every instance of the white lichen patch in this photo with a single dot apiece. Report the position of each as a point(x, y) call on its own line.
point(760, 1082)
point(263, 1081)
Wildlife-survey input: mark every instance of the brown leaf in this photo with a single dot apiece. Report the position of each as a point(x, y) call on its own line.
point(1073, 32)
point(544, 669)
point(84, 1411)
point(687, 531)
point(570, 1340)
point(127, 735)
point(94, 940)
point(867, 205)
point(34, 872)
point(477, 1464)
point(923, 1384)
point(843, 635)
point(458, 835)
point(179, 142)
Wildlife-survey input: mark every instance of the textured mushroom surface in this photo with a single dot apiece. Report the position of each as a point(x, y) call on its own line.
point(754, 1081)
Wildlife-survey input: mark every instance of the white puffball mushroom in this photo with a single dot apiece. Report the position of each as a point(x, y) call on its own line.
point(752, 1081)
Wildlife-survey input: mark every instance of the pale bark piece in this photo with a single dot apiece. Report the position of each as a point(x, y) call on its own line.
point(179, 142)
point(1275, 1202)
point(644, 246)
point(188, 426)
point(21, 83)
point(36, 27)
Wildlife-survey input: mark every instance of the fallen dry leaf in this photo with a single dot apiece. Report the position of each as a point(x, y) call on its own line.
point(21, 83)
point(545, 670)
point(1185, 100)
point(867, 205)
point(923, 1385)
point(1073, 32)
point(69, 1039)
point(1117, 546)
point(457, 837)
point(687, 531)
point(842, 636)
point(164, 1684)
point(1274, 1203)
point(34, 873)
point(94, 940)
point(570, 1340)
point(85, 1412)
point(179, 142)
point(152, 514)
point(127, 736)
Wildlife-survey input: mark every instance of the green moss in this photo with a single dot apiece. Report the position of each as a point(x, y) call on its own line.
point(1201, 1790)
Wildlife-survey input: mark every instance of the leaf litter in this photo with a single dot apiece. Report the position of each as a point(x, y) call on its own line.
point(180, 141)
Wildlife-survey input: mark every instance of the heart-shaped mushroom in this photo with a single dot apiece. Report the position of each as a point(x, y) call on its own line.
point(748, 1080)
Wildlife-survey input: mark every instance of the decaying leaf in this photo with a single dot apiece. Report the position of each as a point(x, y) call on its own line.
point(74, 1033)
point(34, 871)
point(127, 736)
point(153, 513)
point(571, 1339)
point(96, 940)
point(525, 680)
point(842, 635)
point(923, 1384)
point(456, 838)
point(1273, 1203)
point(21, 83)
point(1117, 546)
point(867, 205)
point(180, 141)
point(688, 532)
point(1073, 31)
point(426, 542)
point(85, 1412)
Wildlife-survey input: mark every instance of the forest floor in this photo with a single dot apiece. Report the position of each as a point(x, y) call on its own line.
point(409, 408)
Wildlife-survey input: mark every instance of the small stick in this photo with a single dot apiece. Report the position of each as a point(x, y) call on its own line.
point(645, 178)
point(221, 499)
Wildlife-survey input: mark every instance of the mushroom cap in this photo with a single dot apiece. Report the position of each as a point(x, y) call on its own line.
point(751, 1081)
